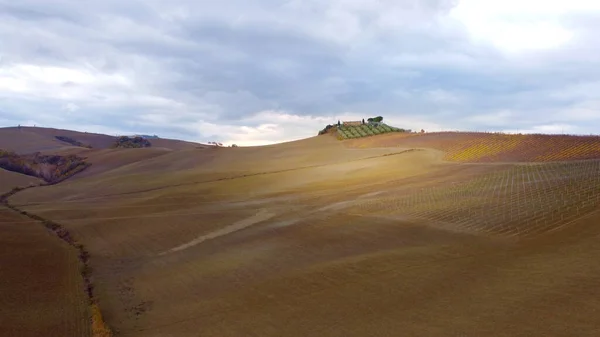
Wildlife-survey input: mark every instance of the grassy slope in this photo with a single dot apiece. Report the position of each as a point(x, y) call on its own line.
point(293, 252)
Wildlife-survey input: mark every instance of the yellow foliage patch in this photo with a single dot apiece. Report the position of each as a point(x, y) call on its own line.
point(99, 328)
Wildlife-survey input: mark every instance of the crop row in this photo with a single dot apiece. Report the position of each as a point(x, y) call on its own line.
point(522, 200)
point(489, 147)
point(486, 148)
point(365, 130)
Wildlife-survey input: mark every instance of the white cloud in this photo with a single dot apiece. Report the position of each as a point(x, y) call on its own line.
point(60, 82)
point(70, 107)
point(548, 129)
point(273, 71)
point(517, 26)
point(443, 96)
point(270, 127)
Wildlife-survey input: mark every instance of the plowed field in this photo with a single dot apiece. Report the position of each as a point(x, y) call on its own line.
point(315, 238)
point(487, 147)
point(41, 289)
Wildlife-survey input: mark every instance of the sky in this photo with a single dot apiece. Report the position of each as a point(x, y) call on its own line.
point(257, 72)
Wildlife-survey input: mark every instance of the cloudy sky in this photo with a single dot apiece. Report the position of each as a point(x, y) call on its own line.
point(256, 72)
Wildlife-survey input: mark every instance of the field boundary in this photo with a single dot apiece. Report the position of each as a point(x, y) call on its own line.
point(99, 327)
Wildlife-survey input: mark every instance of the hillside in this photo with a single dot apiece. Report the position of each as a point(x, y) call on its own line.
point(360, 129)
point(35, 139)
point(131, 142)
point(379, 236)
point(41, 291)
point(51, 168)
point(365, 130)
point(490, 147)
point(9, 179)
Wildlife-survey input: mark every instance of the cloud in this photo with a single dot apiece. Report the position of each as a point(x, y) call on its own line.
point(70, 107)
point(274, 71)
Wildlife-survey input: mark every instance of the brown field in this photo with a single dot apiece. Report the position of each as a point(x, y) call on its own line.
point(489, 147)
point(9, 179)
point(372, 237)
point(41, 291)
point(34, 139)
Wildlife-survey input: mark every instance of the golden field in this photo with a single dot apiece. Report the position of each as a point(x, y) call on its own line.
point(391, 235)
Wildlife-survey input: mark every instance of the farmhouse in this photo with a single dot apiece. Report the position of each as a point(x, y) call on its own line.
point(352, 123)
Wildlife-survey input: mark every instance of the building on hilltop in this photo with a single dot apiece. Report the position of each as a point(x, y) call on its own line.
point(351, 123)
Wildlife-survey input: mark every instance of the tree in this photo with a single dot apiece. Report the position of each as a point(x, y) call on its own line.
point(363, 121)
point(377, 119)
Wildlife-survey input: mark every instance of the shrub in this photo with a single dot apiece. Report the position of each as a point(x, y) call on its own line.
point(72, 141)
point(99, 328)
point(131, 142)
point(51, 168)
point(326, 129)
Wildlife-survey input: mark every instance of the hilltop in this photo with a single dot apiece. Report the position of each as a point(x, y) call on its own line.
point(358, 129)
point(25, 140)
point(426, 234)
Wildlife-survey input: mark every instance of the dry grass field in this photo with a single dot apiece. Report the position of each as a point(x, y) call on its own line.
point(391, 235)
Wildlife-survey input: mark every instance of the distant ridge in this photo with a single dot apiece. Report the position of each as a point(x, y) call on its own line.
point(24, 140)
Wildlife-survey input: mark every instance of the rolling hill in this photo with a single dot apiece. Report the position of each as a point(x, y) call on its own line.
point(493, 147)
point(9, 179)
point(35, 139)
point(395, 234)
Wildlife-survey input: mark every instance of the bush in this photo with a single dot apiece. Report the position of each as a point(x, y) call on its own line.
point(99, 327)
point(377, 119)
point(72, 141)
point(131, 142)
point(51, 168)
point(326, 129)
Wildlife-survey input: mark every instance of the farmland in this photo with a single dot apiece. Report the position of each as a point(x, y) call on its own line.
point(395, 234)
point(488, 147)
point(520, 200)
point(365, 130)
point(51, 304)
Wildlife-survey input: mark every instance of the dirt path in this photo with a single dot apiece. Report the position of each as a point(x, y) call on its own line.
point(261, 216)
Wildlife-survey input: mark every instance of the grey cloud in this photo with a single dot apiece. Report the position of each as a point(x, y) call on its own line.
point(224, 61)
